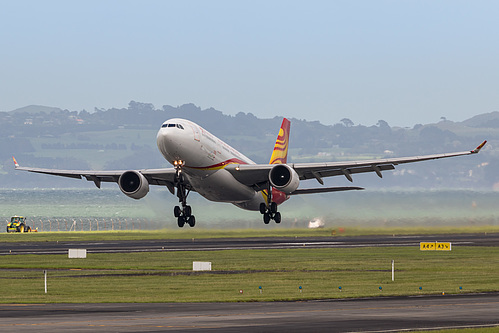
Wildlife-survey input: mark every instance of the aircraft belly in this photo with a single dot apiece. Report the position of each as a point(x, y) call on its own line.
point(221, 186)
point(252, 204)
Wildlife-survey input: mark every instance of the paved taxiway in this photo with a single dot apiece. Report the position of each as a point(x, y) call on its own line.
point(215, 244)
point(364, 315)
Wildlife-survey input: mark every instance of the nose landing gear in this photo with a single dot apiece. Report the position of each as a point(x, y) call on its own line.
point(184, 214)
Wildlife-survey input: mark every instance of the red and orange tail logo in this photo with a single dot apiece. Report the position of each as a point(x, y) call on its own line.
point(280, 153)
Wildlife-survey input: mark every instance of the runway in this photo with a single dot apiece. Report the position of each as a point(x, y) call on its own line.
point(218, 244)
point(364, 315)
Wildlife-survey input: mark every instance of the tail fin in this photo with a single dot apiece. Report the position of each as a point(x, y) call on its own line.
point(280, 153)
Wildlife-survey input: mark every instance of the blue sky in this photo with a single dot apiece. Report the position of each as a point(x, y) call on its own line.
point(405, 62)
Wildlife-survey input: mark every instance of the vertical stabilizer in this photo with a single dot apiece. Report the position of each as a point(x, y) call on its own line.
point(280, 153)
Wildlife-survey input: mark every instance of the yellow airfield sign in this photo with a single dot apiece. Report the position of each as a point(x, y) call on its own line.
point(427, 246)
point(435, 246)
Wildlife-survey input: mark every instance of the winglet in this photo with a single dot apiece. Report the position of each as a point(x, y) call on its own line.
point(477, 149)
point(15, 162)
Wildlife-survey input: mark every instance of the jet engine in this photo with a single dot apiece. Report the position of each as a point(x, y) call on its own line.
point(133, 184)
point(284, 178)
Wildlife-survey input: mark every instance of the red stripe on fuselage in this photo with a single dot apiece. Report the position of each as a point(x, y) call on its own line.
point(219, 165)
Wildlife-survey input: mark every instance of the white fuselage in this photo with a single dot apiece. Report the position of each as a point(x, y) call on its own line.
point(205, 157)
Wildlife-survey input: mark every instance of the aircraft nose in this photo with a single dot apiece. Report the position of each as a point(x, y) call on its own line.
point(169, 143)
point(164, 138)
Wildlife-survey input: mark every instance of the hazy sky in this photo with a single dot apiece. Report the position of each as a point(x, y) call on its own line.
point(405, 62)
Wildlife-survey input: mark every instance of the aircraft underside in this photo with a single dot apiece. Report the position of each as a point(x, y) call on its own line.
point(220, 186)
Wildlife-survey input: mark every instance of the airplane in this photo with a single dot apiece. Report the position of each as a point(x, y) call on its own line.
point(205, 164)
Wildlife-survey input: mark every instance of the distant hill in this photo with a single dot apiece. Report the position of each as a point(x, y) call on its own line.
point(125, 138)
point(485, 120)
point(34, 109)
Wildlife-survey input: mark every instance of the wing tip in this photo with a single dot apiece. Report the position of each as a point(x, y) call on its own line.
point(477, 149)
point(16, 165)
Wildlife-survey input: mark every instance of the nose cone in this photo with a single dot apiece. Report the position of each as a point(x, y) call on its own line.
point(175, 140)
point(168, 143)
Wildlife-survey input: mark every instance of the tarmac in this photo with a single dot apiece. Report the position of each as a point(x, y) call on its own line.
point(391, 314)
point(261, 243)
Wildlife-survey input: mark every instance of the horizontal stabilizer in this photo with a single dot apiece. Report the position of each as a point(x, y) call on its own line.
point(325, 189)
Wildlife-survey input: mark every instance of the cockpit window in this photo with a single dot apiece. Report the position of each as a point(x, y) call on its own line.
point(172, 125)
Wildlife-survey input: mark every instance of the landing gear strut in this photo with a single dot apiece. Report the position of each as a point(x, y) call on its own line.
point(184, 214)
point(270, 212)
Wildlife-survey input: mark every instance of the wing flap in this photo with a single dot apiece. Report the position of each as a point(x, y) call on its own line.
point(325, 189)
point(63, 173)
point(345, 171)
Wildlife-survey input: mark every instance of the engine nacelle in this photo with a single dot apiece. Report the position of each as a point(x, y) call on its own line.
point(133, 184)
point(284, 178)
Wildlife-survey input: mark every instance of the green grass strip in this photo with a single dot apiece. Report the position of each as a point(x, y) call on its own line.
point(168, 276)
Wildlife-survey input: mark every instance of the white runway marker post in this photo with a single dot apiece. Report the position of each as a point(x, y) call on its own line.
point(393, 270)
point(45, 274)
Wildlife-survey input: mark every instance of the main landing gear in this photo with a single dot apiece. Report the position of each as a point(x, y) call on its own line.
point(269, 212)
point(184, 214)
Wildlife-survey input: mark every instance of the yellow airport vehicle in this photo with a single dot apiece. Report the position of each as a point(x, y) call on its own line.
point(18, 224)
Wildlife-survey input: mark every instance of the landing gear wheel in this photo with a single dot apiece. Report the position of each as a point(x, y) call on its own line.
point(273, 207)
point(266, 218)
point(177, 211)
point(181, 221)
point(277, 217)
point(187, 211)
point(263, 208)
point(191, 221)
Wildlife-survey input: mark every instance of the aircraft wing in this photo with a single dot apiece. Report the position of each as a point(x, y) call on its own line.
point(256, 175)
point(163, 176)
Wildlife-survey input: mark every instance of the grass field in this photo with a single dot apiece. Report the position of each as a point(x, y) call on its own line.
point(168, 276)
